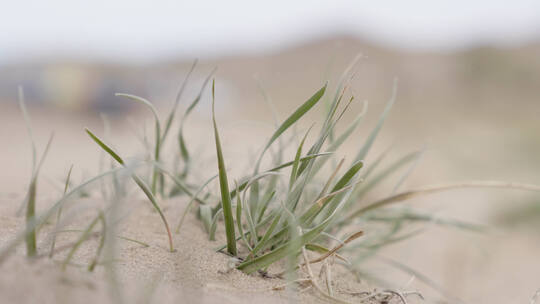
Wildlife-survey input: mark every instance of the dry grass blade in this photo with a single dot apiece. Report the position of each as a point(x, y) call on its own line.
point(434, 189)
point(332, 251)
point(328, 252)
point(313, 281)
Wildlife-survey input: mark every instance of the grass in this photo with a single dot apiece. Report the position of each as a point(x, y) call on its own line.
point(30, 200)
point(271, 215)
point(226, 205)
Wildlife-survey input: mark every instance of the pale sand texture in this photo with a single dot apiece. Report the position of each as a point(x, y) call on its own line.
point(195, 273)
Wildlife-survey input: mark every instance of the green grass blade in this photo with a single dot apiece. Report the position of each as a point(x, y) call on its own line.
point(243, 185)
point(296, 163)
point(144, 187)
point(341, 139)
point(157, 146)
point(224, 186)
point(267, 234)
point(105, 147)
point(39, 221)
point(285, 249)
point(250, 214)
point(348, 176)
point(31, 246)
point(292, 119)
point(143, 101)
point(147, 191)
point(307, 217)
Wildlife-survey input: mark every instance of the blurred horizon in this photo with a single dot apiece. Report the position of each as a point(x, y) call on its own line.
point(129, 32)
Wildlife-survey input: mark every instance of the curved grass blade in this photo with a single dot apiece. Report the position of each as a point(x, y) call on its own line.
point(147, 191)
point(157, 147)
point(224, 185)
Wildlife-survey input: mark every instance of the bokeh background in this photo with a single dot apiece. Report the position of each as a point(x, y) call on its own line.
point(469, 93)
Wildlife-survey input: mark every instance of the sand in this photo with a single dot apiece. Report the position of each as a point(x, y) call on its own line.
point(194, 273)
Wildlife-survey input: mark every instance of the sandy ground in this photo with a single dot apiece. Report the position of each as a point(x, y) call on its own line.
point(194, 273)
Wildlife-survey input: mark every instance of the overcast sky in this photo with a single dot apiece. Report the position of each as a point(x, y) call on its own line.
point(146, 30)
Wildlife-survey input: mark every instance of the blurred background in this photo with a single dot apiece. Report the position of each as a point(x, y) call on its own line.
point(469, 91)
